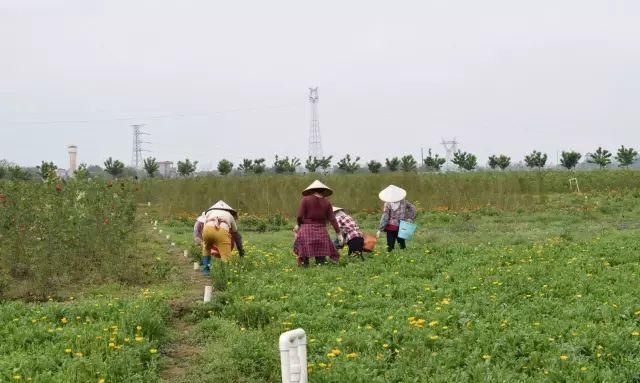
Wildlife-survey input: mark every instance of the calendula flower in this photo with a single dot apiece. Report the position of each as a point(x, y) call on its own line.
point(564, 357)
point(153, 350)
point(352, 355)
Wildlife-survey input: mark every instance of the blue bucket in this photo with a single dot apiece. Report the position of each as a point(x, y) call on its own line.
point(406, 230)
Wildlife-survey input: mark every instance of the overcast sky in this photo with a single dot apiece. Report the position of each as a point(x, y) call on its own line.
point(229, 79)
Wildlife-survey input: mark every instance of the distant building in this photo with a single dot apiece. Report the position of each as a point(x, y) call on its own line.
point(62, 173)
point(166, 169)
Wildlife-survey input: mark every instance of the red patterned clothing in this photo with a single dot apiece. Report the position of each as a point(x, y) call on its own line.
point(348, 226)
point(314, 209)
point(313, 240)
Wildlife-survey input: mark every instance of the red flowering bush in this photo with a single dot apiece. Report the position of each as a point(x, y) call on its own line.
point(69, 233)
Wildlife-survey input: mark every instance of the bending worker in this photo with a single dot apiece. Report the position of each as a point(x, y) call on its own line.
point(217, 231)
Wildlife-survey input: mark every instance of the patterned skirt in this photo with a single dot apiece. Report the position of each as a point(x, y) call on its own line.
point(313, 241)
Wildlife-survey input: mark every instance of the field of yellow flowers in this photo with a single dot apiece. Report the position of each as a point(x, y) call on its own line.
point(540, 292)
point(547, 295)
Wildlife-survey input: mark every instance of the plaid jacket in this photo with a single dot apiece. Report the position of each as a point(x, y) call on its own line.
point(348, 227)
point(393, 217)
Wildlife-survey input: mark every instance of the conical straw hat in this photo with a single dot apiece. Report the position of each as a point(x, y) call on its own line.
point(392, 193)
point(221, 205)
point(317, 186)
point(337, 209)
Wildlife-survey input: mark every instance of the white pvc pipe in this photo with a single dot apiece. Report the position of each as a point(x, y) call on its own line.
point(196, 265)
point(293, 356)
point(173, 243)
point(208, 290)
point(168, 236)
point(185, 253)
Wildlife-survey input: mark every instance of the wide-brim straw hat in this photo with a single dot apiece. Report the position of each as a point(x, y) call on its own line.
point(337, 209)
point(317, 186)
point(392, 193)
point(221, 205)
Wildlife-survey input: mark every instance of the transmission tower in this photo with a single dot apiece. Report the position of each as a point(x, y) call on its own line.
point(450, 147)
point(136, 156)
point(315, 143)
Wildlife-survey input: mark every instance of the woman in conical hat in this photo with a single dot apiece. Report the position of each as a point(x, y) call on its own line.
point(217, 230)
point(395, 209)
point(312, 239)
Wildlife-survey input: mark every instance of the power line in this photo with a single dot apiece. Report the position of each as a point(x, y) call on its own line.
point(167, 116)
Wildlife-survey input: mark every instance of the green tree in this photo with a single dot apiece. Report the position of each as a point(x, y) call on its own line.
point(408, 163)
point(324, 163)
point(346, 164)
point(600, 157)
point(536, 159)
point(374, 166)
point(115, 168)
point(150, 166)
point(626, 156)
point(246, 166)
point(3, 168)
point(433, 162)
point(258, 166)
point(187, 167)
point(16, 173)
point(285, 165)
point(312, 164)
point(225, 167)
point(82, 173)
point(570, 159)
point(47, 171)
point(499, 161)
point(392, 164)
point(464, 160)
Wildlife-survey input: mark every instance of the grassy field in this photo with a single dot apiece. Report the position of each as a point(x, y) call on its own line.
point(542, 291)
point(550, 295)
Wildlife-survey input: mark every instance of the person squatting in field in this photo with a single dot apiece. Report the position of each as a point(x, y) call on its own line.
point(350, 232)
point(312, 239)
point(395, 209)
point(216, 230)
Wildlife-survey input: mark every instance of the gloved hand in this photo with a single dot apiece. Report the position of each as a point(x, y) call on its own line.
point(296, 228)
point(378, 234)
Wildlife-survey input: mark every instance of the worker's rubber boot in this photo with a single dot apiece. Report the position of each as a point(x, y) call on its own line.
point(206, 265)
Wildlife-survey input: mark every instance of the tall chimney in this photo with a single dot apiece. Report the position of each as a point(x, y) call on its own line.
point(73, 150)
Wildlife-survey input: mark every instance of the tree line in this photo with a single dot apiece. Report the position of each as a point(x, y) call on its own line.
point(288, 165)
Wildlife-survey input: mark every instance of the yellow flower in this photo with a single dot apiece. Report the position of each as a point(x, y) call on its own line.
point(635, 333)
point(112, 345)
point(564, 357)
point(385, 345)
point(101, 380)
point(139, 339)
point(352, 355)
point(64, 320)
point(433, 323)
point(78, 354)
point(67, 351)
point(17, 377)
point(583, 369)
point(445, 301)
point(433, 337)
point(138, 328)
point(486, 357)
point(153, 350)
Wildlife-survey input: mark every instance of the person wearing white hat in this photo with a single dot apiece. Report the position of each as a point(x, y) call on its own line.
point(395, 209)
point(312, 239)
point(217, 231)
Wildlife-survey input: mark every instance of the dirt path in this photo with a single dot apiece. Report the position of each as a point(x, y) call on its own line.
point(181, 353)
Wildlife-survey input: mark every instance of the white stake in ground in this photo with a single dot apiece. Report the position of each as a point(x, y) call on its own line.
point(185, 253)
point(293, 356)
point(571, 182)
point(196, 266)
point(207, 293)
